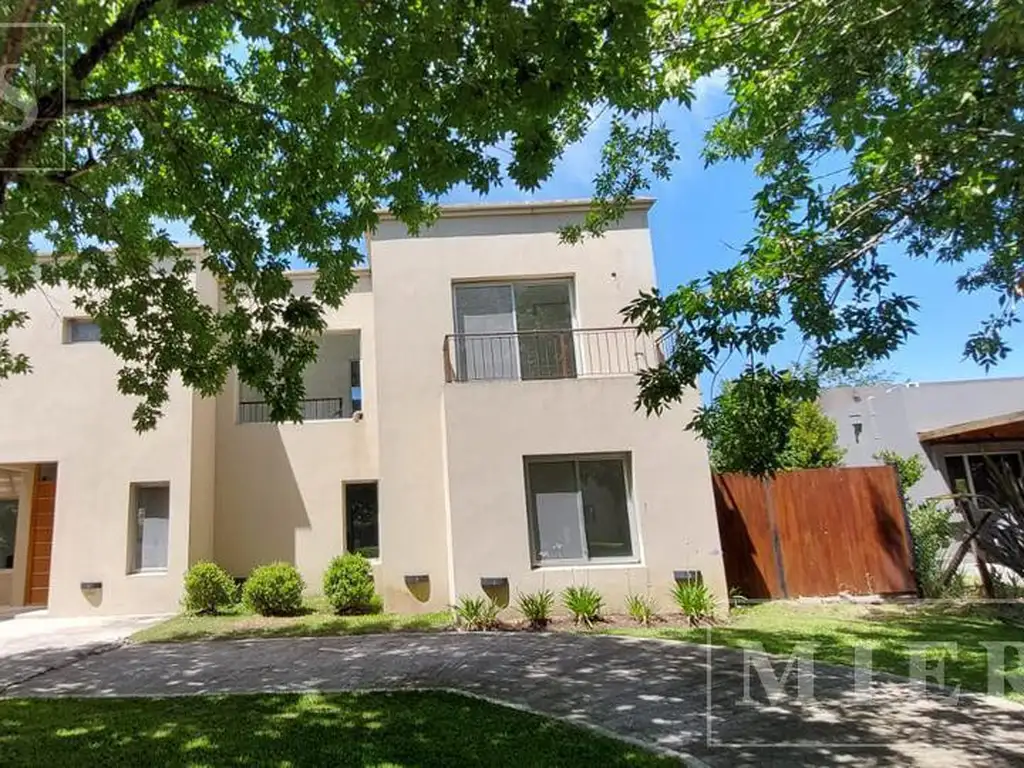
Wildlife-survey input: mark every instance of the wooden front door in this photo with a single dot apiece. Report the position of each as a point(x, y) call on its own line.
point(40, 536)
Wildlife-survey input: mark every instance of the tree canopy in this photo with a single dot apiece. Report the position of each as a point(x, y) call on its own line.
point(275, 130)
point(762, 423)
point(879, 131)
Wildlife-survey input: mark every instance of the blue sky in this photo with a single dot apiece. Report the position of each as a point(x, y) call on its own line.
point(703, 216)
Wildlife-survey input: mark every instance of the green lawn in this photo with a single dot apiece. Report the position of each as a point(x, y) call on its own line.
point(833, 629)
point(836, 629)
point(317, 620)
point(372, 729)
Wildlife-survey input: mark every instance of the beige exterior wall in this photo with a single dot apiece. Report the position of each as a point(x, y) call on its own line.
point(279, 492)
point(68, 411)
point(452, 454)
point(448, 456)
point(672, 503)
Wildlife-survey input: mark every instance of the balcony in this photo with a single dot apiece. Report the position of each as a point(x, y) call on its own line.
point(333, 384)
point(313, 409)
point(551, 354)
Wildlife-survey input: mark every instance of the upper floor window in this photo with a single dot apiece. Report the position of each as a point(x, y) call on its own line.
point(78, 330)
point(514, 330)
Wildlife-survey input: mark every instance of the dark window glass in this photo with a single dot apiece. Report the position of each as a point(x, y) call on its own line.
point(362, 525)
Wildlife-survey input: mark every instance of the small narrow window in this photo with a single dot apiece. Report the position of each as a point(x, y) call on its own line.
point(356, 384)
point(858, 428)
point(149, 527)
point(80, 331)
point(8, 528)
point(362, 524)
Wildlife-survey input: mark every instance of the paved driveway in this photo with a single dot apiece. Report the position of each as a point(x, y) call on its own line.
point(30, 645)
point(657, 693)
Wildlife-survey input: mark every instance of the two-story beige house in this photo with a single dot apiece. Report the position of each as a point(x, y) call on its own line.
point(469, 426)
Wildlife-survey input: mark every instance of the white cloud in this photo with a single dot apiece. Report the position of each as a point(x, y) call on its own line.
point(710, 98)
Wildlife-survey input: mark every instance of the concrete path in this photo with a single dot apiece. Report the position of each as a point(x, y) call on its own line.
point(30, 645)
point(657, 693)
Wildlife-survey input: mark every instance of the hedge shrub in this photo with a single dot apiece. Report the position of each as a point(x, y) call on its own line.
point(274, 590)
point(348, 585)
point(208, 588)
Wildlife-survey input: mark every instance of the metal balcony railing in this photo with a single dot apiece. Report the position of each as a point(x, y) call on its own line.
point(556, 354)
point(313, 409)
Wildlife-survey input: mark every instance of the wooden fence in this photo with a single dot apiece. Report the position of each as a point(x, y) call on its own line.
point(815, 532)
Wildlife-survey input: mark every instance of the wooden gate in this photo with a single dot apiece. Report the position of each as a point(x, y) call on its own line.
point(815, 532)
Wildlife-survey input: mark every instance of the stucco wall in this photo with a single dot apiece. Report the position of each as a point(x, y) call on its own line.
point(448, 457)
point(279, 489)
point(891, 417)
point(68, 411)
point(491, 426)
point(413, 279)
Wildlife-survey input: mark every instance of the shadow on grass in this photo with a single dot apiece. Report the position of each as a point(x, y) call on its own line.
point(410, 728)
point(894, 637)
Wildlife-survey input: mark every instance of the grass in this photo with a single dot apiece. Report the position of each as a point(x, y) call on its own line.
point(382, 729)
point(834, 630)
point(317, 620)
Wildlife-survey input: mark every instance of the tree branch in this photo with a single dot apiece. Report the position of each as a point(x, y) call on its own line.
point(49, 106)
point(123, 25)
point(151, 93)
point(16, 34)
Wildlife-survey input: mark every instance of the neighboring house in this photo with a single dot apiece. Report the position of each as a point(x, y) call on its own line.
point(470, 420)
point(963, 452)
point(907, 417)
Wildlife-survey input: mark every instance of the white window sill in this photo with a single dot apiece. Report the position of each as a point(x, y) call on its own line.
point(6, 570)
point(576, 565)
point(148, 572)
point(346, 419)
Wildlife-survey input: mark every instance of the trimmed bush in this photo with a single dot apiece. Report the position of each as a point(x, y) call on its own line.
point(584, 603)
point(348, 585)
point(537, 607)
point(274, 590)
point(208, 588)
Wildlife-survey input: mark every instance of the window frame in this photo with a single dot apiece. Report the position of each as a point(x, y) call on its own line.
point(965, 451)
point(345, 485)
point(511, 282)
point(133, 530)
point(625, 458)
point(68, 333)
point(14, 543)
